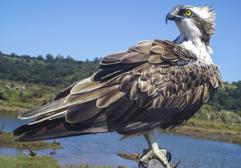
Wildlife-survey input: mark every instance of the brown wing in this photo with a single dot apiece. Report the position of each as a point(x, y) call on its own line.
point(163, 53)
point(153, 84)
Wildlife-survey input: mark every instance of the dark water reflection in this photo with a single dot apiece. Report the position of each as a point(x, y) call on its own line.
point(101, 149)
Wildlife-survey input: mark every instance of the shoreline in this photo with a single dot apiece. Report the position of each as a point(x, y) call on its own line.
point(209, 130)
point(196, 128)
point(201, 133)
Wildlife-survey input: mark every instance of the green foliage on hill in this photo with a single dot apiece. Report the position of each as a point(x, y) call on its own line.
point(48, 71)
point(16, 97)
point(229, 98)
point(225, 105)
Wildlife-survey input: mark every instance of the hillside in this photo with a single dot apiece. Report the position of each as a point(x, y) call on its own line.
point(48, 71)
point(59, 72)
point(17, 96)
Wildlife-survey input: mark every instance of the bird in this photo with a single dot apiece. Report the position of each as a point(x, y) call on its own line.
point(154, 84)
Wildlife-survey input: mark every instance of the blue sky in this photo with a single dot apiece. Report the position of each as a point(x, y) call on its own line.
point(94, 28)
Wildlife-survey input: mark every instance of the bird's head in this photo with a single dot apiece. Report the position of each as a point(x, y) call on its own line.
point(194, 22)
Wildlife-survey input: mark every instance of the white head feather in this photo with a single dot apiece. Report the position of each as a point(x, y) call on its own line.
point(196, 31)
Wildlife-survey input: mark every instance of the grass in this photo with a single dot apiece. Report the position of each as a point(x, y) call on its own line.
point(230, 86)
point(218, 131)
point(38, 162)
point(7, 140)
point(25, 162)
point(16, 97)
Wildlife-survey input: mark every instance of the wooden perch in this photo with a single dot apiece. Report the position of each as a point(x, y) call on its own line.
point(153, 163)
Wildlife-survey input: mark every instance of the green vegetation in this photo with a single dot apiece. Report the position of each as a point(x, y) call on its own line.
point(228, 99)
point(210, 123)
point(26, 162)
point(218, 131)
point(7, 140)
point(37, 162)
point(48, 71)
point(16, 97)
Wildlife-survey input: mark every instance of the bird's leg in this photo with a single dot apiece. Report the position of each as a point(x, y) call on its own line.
point(154, 151)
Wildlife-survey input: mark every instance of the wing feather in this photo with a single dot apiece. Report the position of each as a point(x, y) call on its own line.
point(109, 98)
point(82, 112)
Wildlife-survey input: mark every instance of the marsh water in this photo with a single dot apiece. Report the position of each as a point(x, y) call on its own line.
point(102, 149)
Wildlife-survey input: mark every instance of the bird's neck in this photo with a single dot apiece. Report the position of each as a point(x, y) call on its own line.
point(197, 46)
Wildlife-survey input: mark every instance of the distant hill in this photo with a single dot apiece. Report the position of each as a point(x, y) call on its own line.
point(61, 71)
point(48, 71)
point(229, 98)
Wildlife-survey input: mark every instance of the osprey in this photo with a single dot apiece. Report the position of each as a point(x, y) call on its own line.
point(154, 84)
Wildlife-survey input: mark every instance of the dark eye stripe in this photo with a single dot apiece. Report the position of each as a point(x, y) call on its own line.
point(182, 12)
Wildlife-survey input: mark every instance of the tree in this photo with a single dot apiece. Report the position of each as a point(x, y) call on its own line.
point(40, 58)
point(49, 58)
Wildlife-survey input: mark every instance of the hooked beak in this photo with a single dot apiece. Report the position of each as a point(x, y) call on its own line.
point(171, 16)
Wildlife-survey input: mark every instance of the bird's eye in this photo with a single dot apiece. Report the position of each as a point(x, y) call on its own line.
point(188, 13)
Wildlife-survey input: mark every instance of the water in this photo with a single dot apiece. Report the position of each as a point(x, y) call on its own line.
point(101, 149)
